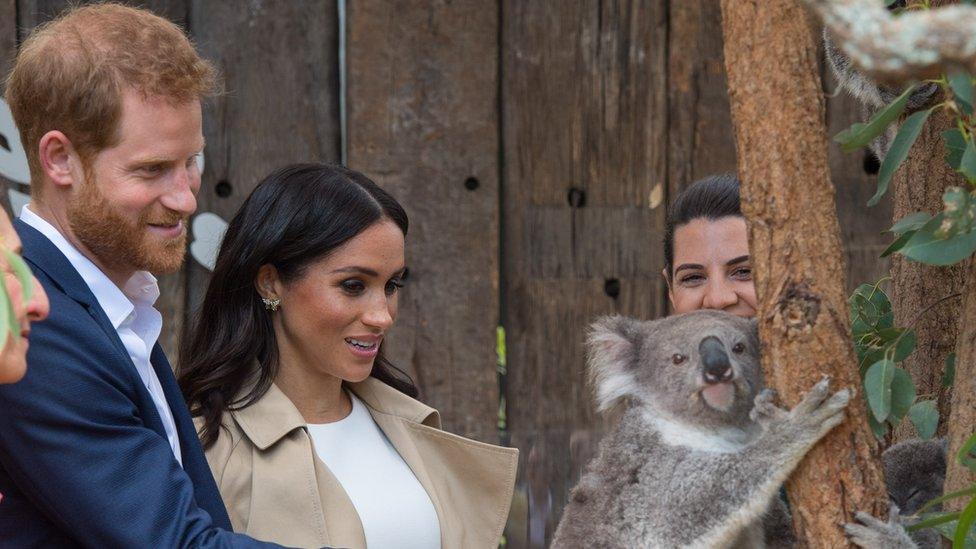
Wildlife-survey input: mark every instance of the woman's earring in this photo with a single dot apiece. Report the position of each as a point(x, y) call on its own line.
point(271, 304)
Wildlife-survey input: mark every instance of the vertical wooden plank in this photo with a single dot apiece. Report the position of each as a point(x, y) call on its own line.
point(422, 121)
point(584, 103)
point(8, 50)
point(700, 140)
point(280, 66)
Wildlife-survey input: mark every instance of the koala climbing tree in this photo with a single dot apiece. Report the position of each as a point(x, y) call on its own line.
point(788, 201)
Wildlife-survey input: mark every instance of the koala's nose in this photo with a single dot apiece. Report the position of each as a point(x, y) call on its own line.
point(715, 361)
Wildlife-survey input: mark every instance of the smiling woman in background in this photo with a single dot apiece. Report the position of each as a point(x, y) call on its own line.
point(706, 249)
point(313, 437)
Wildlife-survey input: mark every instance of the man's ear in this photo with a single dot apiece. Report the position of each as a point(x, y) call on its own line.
point(59, 160)
point(612, 345)
point(268, 283)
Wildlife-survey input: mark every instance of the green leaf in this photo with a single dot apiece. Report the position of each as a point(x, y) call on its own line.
point(902, 395)
point(907, 134)
point(970, 491)
point(910, 222)
point(860, 134)
point(870, 310)
point(925, 417)
point(899, 243)
point(877, 386)
point(966, 456)
point(905, 345)
point(949, 373)
point(879, 428)
point(967, 164)
point(926, 247)
point(962, 87)
point(935, 519)
point(955, 143)
point(966, 519)
point(7, 316)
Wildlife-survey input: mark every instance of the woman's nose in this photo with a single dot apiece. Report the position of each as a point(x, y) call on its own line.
point(38, 307)
point(719, 295)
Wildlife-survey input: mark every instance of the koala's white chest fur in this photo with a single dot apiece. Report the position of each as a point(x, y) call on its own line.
point(680, 434)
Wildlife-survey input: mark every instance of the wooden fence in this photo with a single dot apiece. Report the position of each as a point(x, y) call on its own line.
point(535, 145)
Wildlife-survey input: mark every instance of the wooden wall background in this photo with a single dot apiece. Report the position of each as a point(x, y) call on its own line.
point(535, 145)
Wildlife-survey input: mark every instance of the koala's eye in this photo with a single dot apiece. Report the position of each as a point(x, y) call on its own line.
point(678, 358)
point(738, 348)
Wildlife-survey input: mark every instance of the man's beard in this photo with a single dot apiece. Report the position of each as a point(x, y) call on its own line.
point(119, 243)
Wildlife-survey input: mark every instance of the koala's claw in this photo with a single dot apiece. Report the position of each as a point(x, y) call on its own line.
point(814, 397)
point(764, 409)
point(873, 533)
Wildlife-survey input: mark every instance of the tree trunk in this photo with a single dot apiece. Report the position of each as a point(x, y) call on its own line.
point(918, 186)
point(778, 115)
point(963, 412)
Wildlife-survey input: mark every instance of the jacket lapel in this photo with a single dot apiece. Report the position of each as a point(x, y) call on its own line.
point(194, 462)
point(470, 483)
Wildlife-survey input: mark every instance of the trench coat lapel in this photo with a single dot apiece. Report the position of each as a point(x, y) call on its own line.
point(470, 483)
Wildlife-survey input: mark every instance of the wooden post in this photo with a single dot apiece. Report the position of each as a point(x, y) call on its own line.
point(778, 113)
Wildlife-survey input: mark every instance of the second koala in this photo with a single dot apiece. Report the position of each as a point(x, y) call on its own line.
point(701, 451)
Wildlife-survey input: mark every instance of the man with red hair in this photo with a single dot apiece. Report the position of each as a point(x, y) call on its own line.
point(97, 447)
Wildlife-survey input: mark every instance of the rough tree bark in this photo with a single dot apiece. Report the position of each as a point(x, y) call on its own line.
point(795, 243)
point(916, 287)
point(963, 412)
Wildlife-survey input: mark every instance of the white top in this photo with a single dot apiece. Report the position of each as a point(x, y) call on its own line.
point(131, 312)
point(392, 504)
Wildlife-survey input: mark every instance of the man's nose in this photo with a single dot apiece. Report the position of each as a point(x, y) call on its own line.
point(182, 195)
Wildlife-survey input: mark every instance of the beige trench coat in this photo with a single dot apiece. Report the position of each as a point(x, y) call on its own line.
point(277, 489)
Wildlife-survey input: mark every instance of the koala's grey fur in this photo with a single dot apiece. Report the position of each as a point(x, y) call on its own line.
point(871, 95)
point(914, 473)
point(678, 471)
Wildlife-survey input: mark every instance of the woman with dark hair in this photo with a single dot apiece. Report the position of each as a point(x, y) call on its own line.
point(706, 249)
point(313, 437)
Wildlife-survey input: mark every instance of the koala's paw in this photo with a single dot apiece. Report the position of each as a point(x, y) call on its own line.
point(764, 410)
point(820, 411)
point(871, 533)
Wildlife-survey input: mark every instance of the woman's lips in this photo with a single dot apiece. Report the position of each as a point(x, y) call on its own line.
point(364, 347)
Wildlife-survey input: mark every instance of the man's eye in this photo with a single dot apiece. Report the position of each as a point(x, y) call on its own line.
point(153, 169)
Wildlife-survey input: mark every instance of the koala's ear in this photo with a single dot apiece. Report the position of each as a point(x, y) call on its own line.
point(611, 349)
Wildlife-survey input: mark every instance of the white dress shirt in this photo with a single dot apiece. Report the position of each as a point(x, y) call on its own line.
point(394, 508)
point(131, 311)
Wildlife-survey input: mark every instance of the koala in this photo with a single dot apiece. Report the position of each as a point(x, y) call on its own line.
point(699, 455)
point(914, 473)
point(871, 95)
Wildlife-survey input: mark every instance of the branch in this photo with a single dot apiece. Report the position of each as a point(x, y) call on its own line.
point(915, 45)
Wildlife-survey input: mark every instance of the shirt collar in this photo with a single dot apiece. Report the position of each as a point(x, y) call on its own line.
point(274, 415)
point(114, 301)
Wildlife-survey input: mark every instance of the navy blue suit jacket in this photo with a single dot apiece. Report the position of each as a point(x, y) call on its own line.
point(84, 458)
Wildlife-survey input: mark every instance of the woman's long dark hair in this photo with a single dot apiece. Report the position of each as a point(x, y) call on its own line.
point(296, 216)
point(712, 197)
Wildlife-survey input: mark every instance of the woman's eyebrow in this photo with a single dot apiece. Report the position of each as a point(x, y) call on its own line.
point(357, 270)
point(735, 260)
point(688, 266)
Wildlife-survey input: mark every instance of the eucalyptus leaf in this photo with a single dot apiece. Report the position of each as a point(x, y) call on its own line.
point(926, 247)
point(949, 372)
point(860, 134)
point(905, 345)
point(877, 387)
point(870, 310)
point(902, 395)
point(6, 315)
point(879, 428)
point(964, 528)
point(967, 455)
point(955, 143)
point(948, 530)
point(907, 134)
point(899, 243)
point(967, 164)
point(962, 87)
point(925, 417)
point(910, 222)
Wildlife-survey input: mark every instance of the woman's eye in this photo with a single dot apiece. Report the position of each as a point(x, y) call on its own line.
point(744, 273)
point(353, 286)
point(692, 279)
point(393, 286)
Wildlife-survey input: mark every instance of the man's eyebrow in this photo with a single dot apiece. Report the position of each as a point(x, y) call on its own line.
point(735, 260)
point(685, 266)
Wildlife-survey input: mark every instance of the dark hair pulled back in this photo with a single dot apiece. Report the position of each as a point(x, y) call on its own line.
point(296, 216)
point(712, 197)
